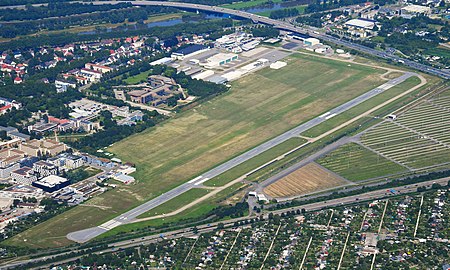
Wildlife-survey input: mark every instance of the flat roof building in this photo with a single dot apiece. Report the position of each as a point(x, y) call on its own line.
point(51, 183)
point(414, 10)
point(220, 59)
point(361, 23)
point(189, 51)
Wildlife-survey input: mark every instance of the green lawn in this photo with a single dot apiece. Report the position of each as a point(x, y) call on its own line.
point(356, 163)
point(258, 107)
point(177, 202)
point(138, 78)
point(196, 212)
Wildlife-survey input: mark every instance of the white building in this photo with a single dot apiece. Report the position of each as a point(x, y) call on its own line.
point(414, 10)
point(311, 41)
point(220, 59)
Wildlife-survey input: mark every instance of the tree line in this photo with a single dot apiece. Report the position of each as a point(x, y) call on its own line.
point(205, 27)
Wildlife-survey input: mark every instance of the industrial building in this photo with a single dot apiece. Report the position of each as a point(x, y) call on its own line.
point(311, 41)
point(51, 183)
point(220, 59)
point(361, 24)
point(414, 10)
point(189, 51)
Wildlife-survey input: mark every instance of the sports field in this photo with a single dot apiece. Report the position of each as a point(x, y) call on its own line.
point(307, 179)
point(257, 108)
point(357, 163)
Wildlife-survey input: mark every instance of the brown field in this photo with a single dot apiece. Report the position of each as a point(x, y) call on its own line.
point(309, 178)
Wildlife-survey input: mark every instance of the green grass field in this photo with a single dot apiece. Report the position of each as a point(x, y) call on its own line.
point(361, 108)
point(257, 108)
point(138, 78)
point(195, 212)
point(356, 163)
point(255, 162)
point(177, 202)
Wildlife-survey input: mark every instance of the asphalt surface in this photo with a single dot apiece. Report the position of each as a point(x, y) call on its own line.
point(292, 28)
point(90, 233)
point(188, 232)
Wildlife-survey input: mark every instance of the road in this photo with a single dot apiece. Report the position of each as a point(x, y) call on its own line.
point(90, 233)
point(149, 108)
point(292, 28)
point(188, 232)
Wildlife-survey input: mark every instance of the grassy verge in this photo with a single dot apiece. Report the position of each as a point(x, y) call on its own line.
point(176, 202)
point(255, 162)
point(194, 213)
point(361, 108)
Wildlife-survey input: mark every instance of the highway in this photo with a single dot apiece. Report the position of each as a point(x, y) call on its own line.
point(127, 217)
point(292, 28)
point(188, 232)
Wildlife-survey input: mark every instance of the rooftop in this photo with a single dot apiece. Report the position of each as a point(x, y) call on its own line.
point(51, 181)
point(190, 49)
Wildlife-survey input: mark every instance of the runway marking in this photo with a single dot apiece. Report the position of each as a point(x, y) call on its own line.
point(195, 179)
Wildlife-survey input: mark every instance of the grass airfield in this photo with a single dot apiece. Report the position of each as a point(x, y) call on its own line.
point(257, 108)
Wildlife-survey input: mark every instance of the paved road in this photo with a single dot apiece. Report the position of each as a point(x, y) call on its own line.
point(188, 232)
point(87, 234)
point(292, 28)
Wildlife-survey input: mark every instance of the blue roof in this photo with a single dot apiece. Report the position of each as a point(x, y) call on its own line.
point(190, 49)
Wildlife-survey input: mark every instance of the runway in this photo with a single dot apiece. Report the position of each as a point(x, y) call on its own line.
point(127, 217)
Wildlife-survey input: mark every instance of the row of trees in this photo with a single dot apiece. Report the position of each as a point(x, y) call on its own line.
point(266, 32)
point(207, 27)
point(112, 15)
point(56, 10)
point(284, 13)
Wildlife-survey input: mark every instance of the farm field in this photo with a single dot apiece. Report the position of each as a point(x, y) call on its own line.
point(309, 178)
point(357, 163)
point(258, 107)
point(418, 139)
